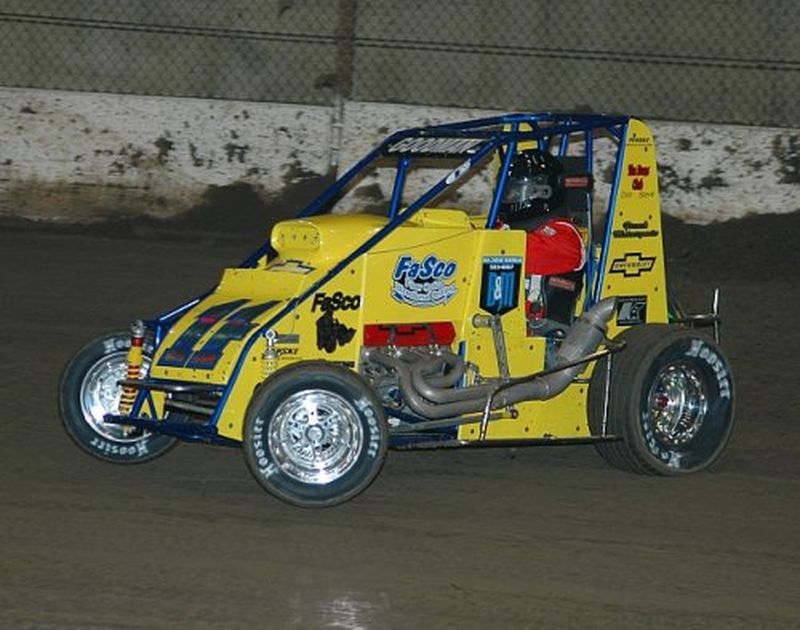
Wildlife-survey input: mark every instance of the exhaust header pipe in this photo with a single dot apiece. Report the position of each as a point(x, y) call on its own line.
point(431, 401)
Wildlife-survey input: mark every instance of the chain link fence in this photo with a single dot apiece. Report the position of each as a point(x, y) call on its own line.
point(730, 62)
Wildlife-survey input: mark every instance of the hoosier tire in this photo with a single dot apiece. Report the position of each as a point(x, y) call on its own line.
point(88, 391)
point(315, 435)
point(670, 400)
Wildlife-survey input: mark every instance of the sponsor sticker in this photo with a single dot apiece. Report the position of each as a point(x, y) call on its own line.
point(290, 266)
point(638, 173)
point(581, 182)
point(565, 284)
point(332, 333)
point(423, 283)
point(181, 350)
point(635, 229)
point(235, 328)
point(335, 302)
point(500, 283)
point(631, 310)
point(642, 141)
point(633, 264)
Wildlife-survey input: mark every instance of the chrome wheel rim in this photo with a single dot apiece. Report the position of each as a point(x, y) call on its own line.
point(100, 395)
point(315, 436)
point(678, 403)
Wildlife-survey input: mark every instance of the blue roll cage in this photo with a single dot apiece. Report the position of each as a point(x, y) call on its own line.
point(498, 133)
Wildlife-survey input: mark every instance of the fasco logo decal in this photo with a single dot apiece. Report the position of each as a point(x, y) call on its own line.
point(423, 283)
point(336, 302)
point(633, 265)
point(331, 333)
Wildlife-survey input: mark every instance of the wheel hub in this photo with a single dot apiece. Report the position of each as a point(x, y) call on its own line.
point(100, 395)
point(678, 403)
point(315, 436)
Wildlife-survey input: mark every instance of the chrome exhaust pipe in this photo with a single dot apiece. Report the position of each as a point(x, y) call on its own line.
point(430, 401)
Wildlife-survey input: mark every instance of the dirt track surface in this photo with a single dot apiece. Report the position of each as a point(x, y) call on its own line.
point(533, 538)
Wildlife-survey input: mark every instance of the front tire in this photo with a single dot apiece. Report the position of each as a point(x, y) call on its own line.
point(670, 400)
point(315, 435)
point(89, 390)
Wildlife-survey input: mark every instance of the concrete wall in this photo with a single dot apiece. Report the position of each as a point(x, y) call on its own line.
point(70, 156)
point(74, 156)
point(706, 172)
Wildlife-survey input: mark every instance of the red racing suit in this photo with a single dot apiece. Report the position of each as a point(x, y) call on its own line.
point(552, 249)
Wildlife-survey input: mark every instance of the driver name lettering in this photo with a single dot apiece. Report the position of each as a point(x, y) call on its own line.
point(435, 145)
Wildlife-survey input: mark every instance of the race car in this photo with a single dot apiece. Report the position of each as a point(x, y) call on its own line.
point(348, 333)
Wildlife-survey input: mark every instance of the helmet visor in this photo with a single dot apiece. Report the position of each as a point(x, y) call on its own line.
point(520, 190)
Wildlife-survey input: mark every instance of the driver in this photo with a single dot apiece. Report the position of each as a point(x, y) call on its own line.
point(554, 250)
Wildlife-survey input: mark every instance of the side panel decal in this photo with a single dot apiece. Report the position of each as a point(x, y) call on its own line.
point(500, 283)
point(631, 310)
point(423, 283)
point(235, 328)
point(178, 354)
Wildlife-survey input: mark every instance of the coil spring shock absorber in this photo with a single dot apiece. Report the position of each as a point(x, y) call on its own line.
point(135, 357)
point(269, 361)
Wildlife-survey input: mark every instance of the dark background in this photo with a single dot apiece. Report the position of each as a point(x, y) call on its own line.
point(723, 62)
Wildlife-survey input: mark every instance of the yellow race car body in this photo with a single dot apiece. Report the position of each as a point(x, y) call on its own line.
point(221, 340)
point(425, 306)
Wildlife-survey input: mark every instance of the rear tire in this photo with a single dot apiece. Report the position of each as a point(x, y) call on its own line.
point(315, 435)
point(670, 400)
